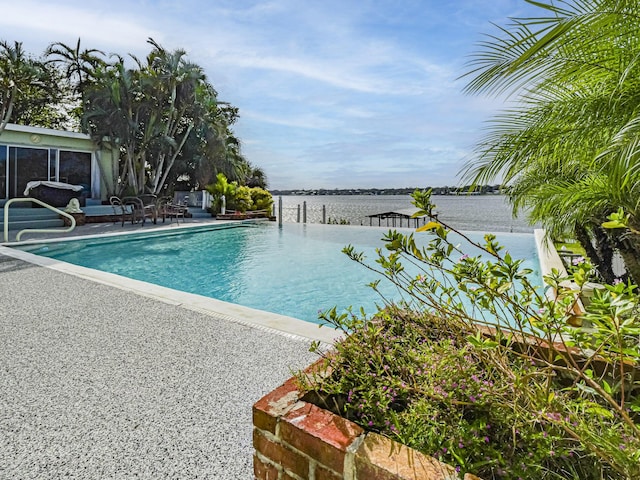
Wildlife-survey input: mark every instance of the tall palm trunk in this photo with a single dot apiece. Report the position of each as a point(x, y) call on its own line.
point(6, 112)
point(629, 248)
point(605, 248)
point(601, 255)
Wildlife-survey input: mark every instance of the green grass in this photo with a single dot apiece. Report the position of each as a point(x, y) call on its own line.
point(570, 247)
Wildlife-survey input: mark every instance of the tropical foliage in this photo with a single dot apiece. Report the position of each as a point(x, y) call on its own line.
point(77, 68)
point(160, 116)
point(238, 197)
point(568, 147)
point(151, 112)
point(222, 192)
point(477, 366)
point(28, 88)
point(261, 199)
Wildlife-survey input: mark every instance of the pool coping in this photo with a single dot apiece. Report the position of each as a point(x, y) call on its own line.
point(291, 327)
point(547, 254)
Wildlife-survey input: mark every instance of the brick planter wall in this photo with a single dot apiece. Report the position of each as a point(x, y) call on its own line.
point(296, 440)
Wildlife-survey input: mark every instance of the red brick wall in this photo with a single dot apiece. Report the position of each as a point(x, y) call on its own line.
point(296, 440)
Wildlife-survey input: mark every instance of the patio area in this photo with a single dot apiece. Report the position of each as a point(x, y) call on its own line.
point(98, 382)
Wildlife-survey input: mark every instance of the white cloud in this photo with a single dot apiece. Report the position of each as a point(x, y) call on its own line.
point(330, 93)
point(52, 22)
point(308, 121)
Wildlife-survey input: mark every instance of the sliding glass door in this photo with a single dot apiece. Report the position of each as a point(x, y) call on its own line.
point(26, 165)
point(75, 168)
point(21, 165)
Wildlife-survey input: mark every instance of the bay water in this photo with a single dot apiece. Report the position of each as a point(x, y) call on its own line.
point(483, 213)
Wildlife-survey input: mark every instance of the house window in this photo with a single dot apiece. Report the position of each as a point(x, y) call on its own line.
point(75, 168)
point(21, 165)
point(25, 165)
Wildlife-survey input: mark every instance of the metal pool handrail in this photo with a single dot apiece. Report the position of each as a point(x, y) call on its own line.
point(35, 230)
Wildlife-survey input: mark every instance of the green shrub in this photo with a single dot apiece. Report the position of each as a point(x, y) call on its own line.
point(222, 187)
point(499, 403)
point(242, 201)
point(238, 197)
point(261, 199)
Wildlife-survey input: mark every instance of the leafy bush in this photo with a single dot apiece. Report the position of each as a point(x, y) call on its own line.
point(222, 187)
point(242, 200)
point(454, 370)
point(238, 197)
point(261, 199)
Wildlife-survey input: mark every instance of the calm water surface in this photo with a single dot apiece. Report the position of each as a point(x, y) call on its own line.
point(485, 213)
point(295, 270)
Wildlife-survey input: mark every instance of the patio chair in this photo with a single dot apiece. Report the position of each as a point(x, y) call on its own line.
point(172, 210)
point(150, 206)
point(134, 208)
point(121, 209)
point(139, 210)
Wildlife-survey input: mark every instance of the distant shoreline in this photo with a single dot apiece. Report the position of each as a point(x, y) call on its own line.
point(483, 190)
point(464, 212)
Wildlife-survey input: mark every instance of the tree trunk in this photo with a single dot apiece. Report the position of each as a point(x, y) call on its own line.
point(173, 159)
point(604, 246)
point(128, 174)
point(629, 248)
point(9, 110)
point(598, 254)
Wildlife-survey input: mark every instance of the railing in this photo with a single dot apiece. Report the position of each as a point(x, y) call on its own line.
point(35, 230)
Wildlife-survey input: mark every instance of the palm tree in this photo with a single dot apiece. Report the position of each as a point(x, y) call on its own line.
point(567, 148)
point(78, 67)
point(205, 151)
point(17, 74)
point(175, 84)
point(42, 102)
point(234, 163)
point(119, 113)
point(257, 178)
point(152, 113)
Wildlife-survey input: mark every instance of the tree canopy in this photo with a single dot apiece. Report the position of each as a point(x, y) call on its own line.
point(568, 145)
point(159, 115)
point(28, 88)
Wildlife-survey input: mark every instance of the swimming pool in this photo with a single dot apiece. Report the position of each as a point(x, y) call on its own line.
point(294, 270)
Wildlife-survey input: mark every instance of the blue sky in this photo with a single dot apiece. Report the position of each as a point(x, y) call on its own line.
point(332, 93)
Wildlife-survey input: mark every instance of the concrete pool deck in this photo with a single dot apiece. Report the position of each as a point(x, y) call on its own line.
point(101, 382)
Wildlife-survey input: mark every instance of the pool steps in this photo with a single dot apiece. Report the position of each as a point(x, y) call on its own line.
point(20, 218)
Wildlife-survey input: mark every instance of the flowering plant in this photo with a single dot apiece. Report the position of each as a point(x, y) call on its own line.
point(480, 368)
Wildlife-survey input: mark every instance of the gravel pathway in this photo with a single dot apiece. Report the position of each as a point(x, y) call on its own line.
point(97, 382)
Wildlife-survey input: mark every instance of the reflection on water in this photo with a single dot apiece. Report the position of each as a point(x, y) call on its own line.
point(486, 213)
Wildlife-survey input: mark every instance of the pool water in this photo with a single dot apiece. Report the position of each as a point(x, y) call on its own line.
point(294, 270)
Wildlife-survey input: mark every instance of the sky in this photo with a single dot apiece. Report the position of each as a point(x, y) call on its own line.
point(332, 93)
